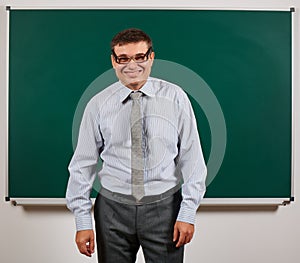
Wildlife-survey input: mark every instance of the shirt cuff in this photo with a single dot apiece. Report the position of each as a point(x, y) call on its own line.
point(84, 223)
point(186, 215)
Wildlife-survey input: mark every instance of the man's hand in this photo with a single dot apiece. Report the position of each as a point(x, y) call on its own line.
point(85, 241)
point(183, 233)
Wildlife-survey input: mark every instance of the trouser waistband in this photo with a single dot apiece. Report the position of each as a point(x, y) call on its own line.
point(130, 200)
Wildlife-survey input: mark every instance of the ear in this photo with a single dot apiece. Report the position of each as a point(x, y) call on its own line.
point(152, 55)
point(113, 62)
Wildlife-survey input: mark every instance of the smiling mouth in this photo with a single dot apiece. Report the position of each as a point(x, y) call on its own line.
point(133, 73)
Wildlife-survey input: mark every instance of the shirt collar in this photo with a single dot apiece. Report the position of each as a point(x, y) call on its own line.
point(147, 89)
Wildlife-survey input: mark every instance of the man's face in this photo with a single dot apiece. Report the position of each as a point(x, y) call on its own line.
point(133, 74)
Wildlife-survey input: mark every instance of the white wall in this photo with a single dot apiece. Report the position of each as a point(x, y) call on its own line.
point(230, 235)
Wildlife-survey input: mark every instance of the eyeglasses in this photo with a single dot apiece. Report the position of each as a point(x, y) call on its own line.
point(138, 58)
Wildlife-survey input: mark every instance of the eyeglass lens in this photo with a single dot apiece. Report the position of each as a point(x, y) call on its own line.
point(138, 58)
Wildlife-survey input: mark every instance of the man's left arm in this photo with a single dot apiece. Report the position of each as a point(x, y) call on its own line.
point(193, 170)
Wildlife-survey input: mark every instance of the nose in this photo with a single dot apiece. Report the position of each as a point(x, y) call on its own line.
point(132, 64)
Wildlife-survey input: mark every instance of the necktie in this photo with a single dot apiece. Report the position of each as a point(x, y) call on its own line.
point(137, 155)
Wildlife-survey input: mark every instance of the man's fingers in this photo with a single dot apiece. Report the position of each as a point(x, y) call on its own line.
point(184, 233)
point(175, 234)
point(184, 239)
point(92, 245)
point(85, 242)
point(181, 240)
point(188, 238)
point(83, 249)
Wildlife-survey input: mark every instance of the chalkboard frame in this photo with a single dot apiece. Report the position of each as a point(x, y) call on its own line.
point(206, 201)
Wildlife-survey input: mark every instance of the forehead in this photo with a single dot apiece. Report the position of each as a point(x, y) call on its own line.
point(131, 48)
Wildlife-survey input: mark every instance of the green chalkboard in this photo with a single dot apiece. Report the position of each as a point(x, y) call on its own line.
point(241, 60)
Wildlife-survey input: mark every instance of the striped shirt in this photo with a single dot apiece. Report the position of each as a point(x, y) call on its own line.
point(171, 145)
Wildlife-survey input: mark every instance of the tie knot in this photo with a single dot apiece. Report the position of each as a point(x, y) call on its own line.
point(135, 95)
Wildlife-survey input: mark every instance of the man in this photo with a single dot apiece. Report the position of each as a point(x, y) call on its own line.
point(153, 173)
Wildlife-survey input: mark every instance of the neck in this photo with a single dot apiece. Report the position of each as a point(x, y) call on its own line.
point(136, 85)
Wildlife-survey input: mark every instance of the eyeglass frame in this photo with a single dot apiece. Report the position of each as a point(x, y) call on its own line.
point(147, 54)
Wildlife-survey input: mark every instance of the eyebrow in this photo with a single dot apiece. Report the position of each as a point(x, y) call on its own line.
point(125, 55)
point(121, 55)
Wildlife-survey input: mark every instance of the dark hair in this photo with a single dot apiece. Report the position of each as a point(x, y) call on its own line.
point(130, 35)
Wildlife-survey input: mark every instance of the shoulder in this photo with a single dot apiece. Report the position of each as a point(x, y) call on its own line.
point(104, 96)
point(108, 93)
point(164, 84)
point(168, 90)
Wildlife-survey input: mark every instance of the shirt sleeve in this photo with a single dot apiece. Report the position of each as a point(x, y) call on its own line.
point(82, 169)
point(190, 163)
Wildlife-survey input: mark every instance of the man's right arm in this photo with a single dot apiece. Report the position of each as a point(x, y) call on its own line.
point(82, 170)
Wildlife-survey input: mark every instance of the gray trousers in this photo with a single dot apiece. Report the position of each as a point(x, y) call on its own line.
point(121, 229)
